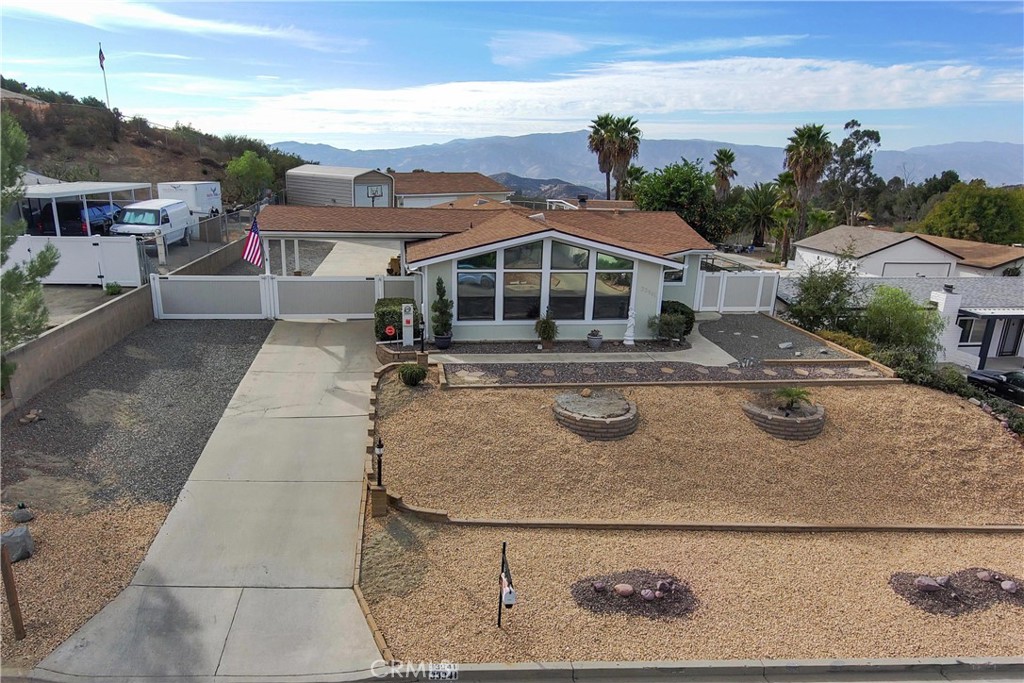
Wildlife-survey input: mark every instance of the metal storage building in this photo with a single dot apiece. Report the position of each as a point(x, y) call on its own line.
point(315, 185)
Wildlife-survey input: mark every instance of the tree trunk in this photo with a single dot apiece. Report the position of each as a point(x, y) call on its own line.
point(608, 185)
point(758, 240)
point(801, 225)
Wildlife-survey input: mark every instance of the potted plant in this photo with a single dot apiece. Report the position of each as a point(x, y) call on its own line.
point(547, 329)
point(441, 320)
point(594, 339)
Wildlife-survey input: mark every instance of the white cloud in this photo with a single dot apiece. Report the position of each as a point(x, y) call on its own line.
point(660, 94)
point(120, 15)
point(711, 45)
point(519, 48)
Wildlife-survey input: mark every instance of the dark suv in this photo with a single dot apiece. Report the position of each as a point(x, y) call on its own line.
point(72, 218)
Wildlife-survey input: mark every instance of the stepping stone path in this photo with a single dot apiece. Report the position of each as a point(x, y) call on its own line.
point(826, 371)
point(702, 370)
point(511, 373)
point(801, 372)
point(548, 372)
point(770, 373)
point(589, 371)
point(668, 371)
point(734, 371)
point(629, 371)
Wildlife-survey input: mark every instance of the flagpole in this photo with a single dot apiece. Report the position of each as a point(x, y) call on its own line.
point(104, 70)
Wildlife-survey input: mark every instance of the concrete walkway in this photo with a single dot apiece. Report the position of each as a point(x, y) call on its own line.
point(251, 574)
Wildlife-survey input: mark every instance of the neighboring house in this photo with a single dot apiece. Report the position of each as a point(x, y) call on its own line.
point(315, 185)
point(983, 316)
point(475, 201)
point(884, 253)
point(583, 202)
point(504, 269)
point(420, 189)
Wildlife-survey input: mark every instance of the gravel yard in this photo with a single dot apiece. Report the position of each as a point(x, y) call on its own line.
point(893, 454)
point(432, 590)
point(758, 336)
point(311, 255)
point(118, 439)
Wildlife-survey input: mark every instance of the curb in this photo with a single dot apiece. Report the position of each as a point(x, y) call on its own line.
point(885, 370)
point(738, 384)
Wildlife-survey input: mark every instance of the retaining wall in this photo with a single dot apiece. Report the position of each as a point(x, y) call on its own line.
point(214, 262)
point(598, 428)
point(790, 428)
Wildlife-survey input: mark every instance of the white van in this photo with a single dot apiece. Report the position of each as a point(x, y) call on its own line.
point(153, 217)
point(203, 197)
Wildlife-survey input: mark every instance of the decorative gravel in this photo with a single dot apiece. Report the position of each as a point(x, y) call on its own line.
point(641, 346)
point(963, 593)
point(131, 423)
point(758, 336)
point(597, 594)
point(773, 596)
point(311, 255)
point(889, 454)
point(643, 371)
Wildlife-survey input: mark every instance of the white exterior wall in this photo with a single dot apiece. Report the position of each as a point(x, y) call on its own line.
point(421, 201)
point(972, 271)
point(906, 259)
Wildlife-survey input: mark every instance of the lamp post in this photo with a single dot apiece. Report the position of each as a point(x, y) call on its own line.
point(378, 450)
point(423, 335)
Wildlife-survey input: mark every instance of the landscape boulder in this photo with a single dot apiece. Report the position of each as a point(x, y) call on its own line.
point(599, 586)
point(926, 584)
point(18, 542)
point(1009, 586)
point(986, 575)
point(623, 590)
point(942, 580)
point(664, 587)
point(22, 515)
point(647, 594)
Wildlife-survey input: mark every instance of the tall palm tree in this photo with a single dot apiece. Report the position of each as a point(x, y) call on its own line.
point(759, 203)
point(633, 177)
point(786, 211)
point(600, 143)
point(625, 148)
point(808, 153)
point(721, 168)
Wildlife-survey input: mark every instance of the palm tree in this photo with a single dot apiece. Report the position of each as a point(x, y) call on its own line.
point(625, 148)
point(808, 153)
point(633, 177)
point(721, 167)
point(785, 212)
point(600, 143)
point(759, 203)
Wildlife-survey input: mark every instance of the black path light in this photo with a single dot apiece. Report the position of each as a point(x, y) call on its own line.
point(378, 450)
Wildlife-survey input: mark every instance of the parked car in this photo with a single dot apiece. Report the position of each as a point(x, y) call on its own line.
point(72, 218)
point(154, 217)
point(1008, 385)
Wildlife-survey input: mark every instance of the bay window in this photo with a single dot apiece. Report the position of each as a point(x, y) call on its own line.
point(613, 286)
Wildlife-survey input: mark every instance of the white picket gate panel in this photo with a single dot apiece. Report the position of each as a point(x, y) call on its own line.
point(85, 260)
point(737, 292)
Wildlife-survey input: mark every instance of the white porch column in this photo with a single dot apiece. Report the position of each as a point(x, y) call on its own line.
point(297, 266)
point(948, 305)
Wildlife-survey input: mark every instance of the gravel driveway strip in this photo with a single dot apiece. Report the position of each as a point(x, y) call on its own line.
point(131, 423)
point(758, 336)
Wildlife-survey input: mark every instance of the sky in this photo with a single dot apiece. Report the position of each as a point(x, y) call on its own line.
point(373, 75)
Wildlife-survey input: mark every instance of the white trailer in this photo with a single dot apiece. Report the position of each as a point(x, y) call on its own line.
point(203, 196)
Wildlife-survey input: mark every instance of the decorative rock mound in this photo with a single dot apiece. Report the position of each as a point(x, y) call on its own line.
point(802, 426)
point(602, 414)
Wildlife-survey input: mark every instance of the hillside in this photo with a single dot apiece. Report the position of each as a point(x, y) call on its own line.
point(565, 155)
point(549, 188)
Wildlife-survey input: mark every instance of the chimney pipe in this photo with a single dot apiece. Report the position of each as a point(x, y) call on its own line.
point(582, 199)
point(948, 288)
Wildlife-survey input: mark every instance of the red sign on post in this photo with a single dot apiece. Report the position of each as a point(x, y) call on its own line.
point(390, 330)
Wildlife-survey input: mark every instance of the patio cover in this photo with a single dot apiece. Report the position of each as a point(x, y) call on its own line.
point(80, 189)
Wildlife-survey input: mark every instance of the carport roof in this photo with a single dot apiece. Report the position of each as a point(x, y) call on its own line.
point(80, 188)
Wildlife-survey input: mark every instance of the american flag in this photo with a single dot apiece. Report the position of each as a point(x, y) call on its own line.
point(253, 250)
point(102, 58)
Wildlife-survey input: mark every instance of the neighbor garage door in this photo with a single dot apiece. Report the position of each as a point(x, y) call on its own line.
point(915, 270)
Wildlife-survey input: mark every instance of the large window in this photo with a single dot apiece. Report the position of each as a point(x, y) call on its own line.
point(971, 331)
point(612, 287)
point(521, 281)
point(477, 282)
point(568, 289)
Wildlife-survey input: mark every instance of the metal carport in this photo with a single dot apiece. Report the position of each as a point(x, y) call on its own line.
point(79, 190)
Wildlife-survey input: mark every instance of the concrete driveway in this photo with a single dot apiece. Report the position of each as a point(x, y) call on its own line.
point(251, 573)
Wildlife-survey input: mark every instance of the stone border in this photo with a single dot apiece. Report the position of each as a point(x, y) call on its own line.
point(785, 427)
point(738, 384)
point(598, 428)
point(885, 370)
point(386, 356)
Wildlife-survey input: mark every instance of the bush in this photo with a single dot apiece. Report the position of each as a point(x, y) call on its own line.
point(848, 341)
point(441, 321)
point(907, 364)
point(825, 294)
point(546, 328)
point(792, 396)
point(113, 288)
point(389, 312)
point(892, 319)
point(679, 308)
point(411, 374)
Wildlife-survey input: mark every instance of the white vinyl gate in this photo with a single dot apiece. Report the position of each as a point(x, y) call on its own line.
point(737, 292)
point(197, 297)
point(87, 260)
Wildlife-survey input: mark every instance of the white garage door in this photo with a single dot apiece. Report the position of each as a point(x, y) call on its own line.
point(915, 269)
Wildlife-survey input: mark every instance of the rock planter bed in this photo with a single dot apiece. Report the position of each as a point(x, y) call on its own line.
point(963, 592)
point(639, 592)
point(801, 424)
point(600, 415)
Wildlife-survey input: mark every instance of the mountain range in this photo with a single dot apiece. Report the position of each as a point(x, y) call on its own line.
point(565, 158)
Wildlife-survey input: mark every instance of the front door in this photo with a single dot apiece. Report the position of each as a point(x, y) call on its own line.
point(1010, 339)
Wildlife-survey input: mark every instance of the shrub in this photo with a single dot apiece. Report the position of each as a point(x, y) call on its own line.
point(411, 374)
point(669, 325)
point(825, 294)
point(848, 341)
point(792, 396)
point(907, 363)
point(892, 319)
point(441, 322)
point(389, 312)
point(679, 308)
point(546, 327)
point(113, 288)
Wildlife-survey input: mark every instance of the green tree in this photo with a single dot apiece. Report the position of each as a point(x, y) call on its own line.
point(23, 313)
point(825, 294)
point(599, 141)
point(786, 212)
point(850, 176)
point(250, 174)
point(625, 148)
point(633, 176)
point(973, 211)
point(758, 209)
point(689, 191)
point(721, 168)
point(807, 155)
point(895, 322)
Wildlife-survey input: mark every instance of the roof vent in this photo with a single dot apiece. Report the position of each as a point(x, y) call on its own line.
point(948, 288)
point(582, 199)
point(539, 217)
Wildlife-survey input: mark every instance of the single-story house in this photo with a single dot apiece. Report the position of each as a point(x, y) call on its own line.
point(504, 269)
point(316, 185)
point(474, 201)
point(983, 316)
point(585, 203)
point(419, 189)
point(884, 253)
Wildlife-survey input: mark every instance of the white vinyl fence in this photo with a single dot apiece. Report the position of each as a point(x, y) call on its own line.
point(737, 292)
point(87, 260)
point(196, 297)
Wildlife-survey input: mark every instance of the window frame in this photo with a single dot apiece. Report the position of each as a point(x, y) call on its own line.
point(969, 331)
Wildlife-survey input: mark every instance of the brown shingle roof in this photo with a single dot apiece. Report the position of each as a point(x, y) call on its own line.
point(605, 204)
point(433, 182)
point(474, 202)
point(977, 254)
point(361, 219)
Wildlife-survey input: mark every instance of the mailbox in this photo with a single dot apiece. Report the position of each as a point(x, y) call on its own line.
point(408, 317)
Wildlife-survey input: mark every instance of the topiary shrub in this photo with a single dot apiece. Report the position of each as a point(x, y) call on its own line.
point(848, 341)
point(681, 309)
point(389, 312)
point(411, 374)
